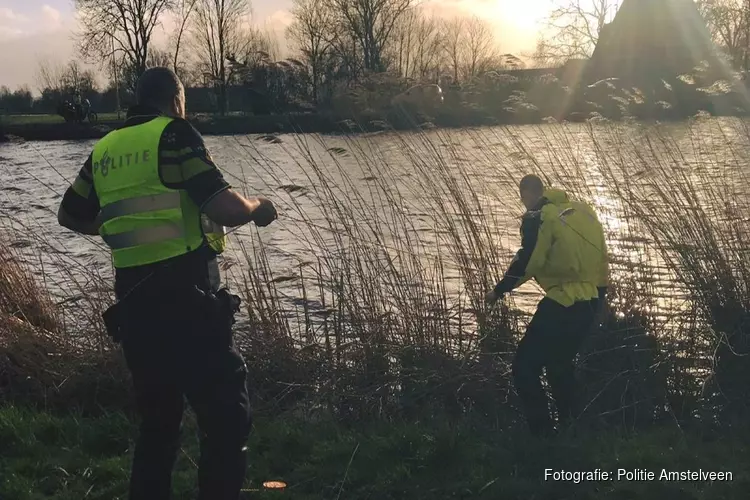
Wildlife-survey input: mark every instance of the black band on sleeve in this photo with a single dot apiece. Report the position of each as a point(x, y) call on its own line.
point(205, 186)
point(185, 163)
point(80, 200)
point(82, 209)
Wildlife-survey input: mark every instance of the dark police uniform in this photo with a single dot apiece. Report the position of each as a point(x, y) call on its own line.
point(148, 182)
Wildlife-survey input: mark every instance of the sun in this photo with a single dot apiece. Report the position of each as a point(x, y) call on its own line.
point(517, 23)
point(526, 15)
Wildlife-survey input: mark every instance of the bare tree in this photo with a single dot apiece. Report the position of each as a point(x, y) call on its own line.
point(345, 59)
point(453, 34)
point(122, 71)
point(416, 44)
point(574, 27)
point(50, 75)
point(259, 46)
point(310, 32)
point(74, 76)
point(183, 10)
point(480, 48)
point(267, 39)
point(545, 55)
point(400, 46)
point(159, 57)
point(727, 21)
point(61, 79)
point(427, 48)
point(370, 23)
point(119, 26)
point(218, 36)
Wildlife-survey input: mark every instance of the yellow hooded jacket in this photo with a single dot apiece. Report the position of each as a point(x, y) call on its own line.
point(563, 248)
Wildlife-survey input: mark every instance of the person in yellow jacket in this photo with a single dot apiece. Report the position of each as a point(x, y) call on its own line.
point(152, 192)
point(563, 248)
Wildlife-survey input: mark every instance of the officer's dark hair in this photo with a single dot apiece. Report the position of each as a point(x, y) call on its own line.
point(158, 87)
point(533, 184)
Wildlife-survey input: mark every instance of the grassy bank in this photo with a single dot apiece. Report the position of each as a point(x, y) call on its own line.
point(73, 457)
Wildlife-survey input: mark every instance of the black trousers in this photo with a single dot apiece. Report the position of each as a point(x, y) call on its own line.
point(552, 341)
point(181, 349)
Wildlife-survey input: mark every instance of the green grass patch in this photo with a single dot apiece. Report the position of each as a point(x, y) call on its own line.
point(69, 457)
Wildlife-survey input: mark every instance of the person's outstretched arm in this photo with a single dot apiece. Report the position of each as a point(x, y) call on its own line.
point(518, 273)
point(185, 163)
point(79, 209)
point(229, 208)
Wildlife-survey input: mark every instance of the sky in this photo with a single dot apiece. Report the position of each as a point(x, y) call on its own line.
point(34, 31)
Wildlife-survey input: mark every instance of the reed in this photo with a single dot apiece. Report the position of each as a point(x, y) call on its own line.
point(366, 300)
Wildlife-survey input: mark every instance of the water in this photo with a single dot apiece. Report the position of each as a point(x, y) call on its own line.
point(395, 194)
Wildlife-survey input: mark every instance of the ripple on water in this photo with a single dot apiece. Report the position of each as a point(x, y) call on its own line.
point(285, 247)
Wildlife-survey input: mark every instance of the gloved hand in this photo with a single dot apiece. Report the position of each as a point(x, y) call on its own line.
point(230, 303)
point(265, 212)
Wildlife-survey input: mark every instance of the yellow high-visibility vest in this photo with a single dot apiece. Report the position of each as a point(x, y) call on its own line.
point(144, 221)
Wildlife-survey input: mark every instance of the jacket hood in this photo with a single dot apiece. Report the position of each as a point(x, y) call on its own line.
point(556, 196)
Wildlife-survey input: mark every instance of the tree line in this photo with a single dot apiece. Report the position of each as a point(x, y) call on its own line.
point(334, 44)
point(344, 53)
point(574, 26)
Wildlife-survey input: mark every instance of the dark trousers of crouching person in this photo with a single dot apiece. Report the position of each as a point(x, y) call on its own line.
point(552, 341)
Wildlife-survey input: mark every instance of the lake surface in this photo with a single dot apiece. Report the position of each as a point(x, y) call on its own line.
point(394, 194)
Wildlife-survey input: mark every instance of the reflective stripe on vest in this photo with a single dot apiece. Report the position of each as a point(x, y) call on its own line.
point(145, 236)
point(150, 203)
point(144, 221)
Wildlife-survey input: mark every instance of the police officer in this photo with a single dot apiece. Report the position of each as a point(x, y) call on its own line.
point(564, 250)
point(153, 193)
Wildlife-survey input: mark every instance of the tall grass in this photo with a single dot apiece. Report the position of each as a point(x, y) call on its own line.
point(696, 212)
point(366, 298)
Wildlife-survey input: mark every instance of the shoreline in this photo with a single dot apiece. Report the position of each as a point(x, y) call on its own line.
point(311, 123)
point(232, 125)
